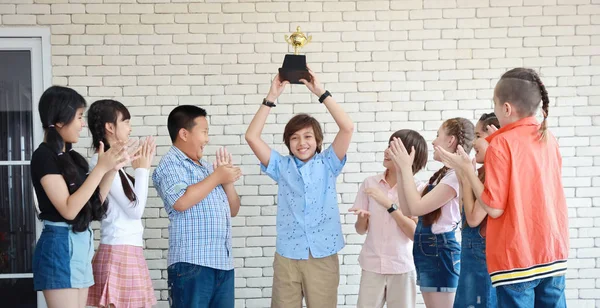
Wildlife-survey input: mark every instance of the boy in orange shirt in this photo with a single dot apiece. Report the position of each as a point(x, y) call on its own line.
point(523, 195)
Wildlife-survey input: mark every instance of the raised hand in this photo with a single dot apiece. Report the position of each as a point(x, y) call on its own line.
point(114, 158)
point(400, 156)
point(460, 161)
point(146, 154)
point(223, 158)
point(228, 174)
point(277, 87)
point(314, 85)
point(491, 129)
point(360, 212)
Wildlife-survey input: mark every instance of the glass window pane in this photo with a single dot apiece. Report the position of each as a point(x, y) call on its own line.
point(16, 136)
point(17, 220)
point(18, 293)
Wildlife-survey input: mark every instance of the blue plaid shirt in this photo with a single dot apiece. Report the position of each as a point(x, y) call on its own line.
point(201, 235)
point(308, 217)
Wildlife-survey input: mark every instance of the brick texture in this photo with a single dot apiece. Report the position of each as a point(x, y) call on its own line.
point(391, 64)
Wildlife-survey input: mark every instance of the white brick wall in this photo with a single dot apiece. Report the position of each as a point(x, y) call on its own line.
point(392, 64)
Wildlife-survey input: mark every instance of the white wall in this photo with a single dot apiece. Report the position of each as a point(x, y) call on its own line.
point(392, 64)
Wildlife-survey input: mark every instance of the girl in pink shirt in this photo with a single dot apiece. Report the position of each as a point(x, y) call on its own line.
point(436, 251)
point(388, 271)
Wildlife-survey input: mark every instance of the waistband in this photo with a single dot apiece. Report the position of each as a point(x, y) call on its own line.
point(57, 224)
point(431, 237)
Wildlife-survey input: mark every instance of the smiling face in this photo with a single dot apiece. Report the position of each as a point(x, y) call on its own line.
point(70, 132)
point(480, 144)
point(303, 144)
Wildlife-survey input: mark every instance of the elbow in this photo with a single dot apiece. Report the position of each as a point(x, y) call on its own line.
point(495, 213)
point(250, 137)
point(179, 207)
point(473, 223)
point(70, 216)
point(348, 128)
point(361, 231)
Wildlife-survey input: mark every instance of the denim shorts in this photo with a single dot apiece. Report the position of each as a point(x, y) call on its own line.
point(437, 260)
point(474, 285)
point(63, 258)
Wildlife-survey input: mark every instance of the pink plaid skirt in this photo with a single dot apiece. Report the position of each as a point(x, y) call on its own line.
point(122, 278)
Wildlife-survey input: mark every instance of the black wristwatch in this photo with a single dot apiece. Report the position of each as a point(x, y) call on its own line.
point(267, 103)
point(324, 96)
point(392, 208)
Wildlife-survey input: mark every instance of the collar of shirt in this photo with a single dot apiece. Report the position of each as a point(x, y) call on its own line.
point(529, 121)
point(181, 156)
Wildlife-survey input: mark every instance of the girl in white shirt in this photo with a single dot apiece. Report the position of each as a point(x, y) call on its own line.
point(120, 270)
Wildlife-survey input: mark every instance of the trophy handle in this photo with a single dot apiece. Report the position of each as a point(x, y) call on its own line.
point(308, 39)
point(288, 39)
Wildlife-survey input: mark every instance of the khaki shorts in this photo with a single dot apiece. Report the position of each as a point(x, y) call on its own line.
point(398, 290)
point(314, 279)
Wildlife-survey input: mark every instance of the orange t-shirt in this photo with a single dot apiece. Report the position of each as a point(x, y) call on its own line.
point(530, 240)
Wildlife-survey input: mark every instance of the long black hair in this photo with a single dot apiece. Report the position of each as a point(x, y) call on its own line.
point(100, 113)
point(59, 105)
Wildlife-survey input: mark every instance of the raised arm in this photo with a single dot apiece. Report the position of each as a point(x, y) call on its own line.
point(346, 127)
point(253, 134)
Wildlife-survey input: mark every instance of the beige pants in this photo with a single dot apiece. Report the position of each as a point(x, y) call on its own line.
point(316, 280)
point(398, 291)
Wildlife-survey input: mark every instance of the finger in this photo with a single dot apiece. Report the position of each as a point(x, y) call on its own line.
point(214, 165)
point(353, 209)
point(461, 151)
point(412, 152)
point(306, 83)
point(101, 148)
point(492, 128)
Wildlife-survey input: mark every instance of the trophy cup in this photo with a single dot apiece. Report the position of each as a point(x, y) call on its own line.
point(294, 66)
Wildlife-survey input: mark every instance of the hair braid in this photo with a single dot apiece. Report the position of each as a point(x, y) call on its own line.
point(545, 104)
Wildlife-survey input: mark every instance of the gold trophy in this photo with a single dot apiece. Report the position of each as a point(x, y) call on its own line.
point(294, 66)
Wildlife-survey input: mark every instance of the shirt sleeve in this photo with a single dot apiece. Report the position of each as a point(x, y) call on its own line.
point(333, 162)
point(273, 169)
point(497, 179)
point(171, 184)
point(362, 199)
point(451, 180)
point(44, 163)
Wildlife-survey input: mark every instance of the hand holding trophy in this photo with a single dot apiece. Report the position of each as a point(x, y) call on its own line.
point(294, 66)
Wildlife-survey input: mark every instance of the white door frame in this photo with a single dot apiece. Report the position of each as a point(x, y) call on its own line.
point(37, 41)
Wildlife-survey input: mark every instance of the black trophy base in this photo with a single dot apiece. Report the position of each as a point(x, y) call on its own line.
point(294, 69)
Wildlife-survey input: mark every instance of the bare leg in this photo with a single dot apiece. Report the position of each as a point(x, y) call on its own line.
point(438, 299)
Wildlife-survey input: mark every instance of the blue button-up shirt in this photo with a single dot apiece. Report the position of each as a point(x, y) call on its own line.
point(308, 217)
point(200, 235)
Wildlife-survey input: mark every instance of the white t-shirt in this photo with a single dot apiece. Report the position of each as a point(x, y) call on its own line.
point(123, 222)
point(450, 217)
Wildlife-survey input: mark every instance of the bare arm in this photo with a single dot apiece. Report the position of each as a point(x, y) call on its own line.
point(253, 135)
point(260, 148)
point(341, 142)
point(362, 224)
point(195, 193)
point(474, 214)
point(477, 188)
point(69, 205)
point(417, 206)
point(234, 199)
point(407, 225)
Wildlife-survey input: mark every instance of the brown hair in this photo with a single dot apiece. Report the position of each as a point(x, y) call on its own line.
point(299, 122)
point(464, 132)
point(411, 138)
point(487, 119)
point(523, 89)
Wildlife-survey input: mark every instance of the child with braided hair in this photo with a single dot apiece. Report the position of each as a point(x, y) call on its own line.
point(436, 251)
point(528, 246)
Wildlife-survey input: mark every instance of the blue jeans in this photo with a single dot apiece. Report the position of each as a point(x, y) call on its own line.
point(474, 284)
point(546, 292)
point(195, 286)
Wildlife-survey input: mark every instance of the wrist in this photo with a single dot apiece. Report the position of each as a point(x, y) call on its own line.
point(319, 92)
point(271, 97)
